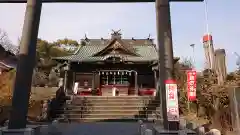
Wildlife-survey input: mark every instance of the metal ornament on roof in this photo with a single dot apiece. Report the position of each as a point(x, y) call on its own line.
point(66, 67)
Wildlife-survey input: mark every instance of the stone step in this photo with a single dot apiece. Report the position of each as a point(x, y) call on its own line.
point(102, 108)
point(104, 119)
point(109, 100)
point(113, 107)
point(115, 104)
point(108, 111)
point(115, 97)
point(107, 116)
point(114, 101)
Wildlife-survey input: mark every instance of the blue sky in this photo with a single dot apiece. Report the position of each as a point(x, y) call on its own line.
point(135, 20)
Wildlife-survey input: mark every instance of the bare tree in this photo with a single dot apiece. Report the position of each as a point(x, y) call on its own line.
point(19, 41)
point(6, 43)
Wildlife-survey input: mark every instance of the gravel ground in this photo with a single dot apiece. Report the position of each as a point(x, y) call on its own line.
point(98, 128)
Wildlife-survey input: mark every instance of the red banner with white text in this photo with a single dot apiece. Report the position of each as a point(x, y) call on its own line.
point(191, 84)
point(172, 100)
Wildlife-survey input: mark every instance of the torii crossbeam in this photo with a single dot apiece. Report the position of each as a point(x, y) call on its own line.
point(27, 54)
point(93, 1)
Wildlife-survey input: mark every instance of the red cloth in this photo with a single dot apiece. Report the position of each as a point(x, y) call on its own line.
point(89, 93)
point(147, 92)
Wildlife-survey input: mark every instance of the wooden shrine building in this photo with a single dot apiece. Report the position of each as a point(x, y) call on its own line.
point(8, 57)
point(104, 64)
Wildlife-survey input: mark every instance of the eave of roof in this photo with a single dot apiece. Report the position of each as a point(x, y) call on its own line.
point(2, 64)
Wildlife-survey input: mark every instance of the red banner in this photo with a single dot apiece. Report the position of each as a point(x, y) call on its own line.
point(191, 84)
point(172, 100)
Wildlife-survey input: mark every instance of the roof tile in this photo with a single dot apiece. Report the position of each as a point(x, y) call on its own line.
point(144, 48)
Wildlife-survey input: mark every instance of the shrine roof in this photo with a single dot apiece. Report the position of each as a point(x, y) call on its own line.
point(143, 48)
point(8, 58)
point(11, 49)
point(94, 50)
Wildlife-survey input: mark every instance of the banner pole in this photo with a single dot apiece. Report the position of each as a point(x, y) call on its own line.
point(188, 105)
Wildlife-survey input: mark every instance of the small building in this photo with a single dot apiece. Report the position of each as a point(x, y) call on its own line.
point(8, 58)
point(125, 65)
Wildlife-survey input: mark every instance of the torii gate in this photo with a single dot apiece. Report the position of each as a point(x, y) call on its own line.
point(27, 54)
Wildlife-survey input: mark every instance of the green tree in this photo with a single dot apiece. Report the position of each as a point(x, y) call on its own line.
point(45, 52)
point(43, 48)
point(66, 41)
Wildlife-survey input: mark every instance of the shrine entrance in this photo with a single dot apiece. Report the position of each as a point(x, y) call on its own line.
point(27, 55)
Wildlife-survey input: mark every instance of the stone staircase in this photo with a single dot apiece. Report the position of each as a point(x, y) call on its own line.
point(109, 92)
point(108, 108)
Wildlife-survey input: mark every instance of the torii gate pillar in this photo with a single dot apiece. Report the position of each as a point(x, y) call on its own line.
point(25, 65)
point(165, 53)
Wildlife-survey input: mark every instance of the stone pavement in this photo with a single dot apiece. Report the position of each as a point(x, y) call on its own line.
point(91, 128)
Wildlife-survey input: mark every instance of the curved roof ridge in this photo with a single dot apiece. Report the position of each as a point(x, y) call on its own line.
point(78, 49)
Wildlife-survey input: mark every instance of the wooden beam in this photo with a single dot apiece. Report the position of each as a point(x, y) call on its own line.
point(94, 1)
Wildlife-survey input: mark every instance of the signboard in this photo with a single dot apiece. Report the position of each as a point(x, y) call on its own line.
point(172, 100)
point(191, 84)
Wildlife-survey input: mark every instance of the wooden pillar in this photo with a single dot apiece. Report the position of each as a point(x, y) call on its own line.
point(97, 80)
point(69, 81)
point(155, 78)
point(73, 82)
point(66, 70)
point(136, 82)
point(65, 81)
point(93, 80)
